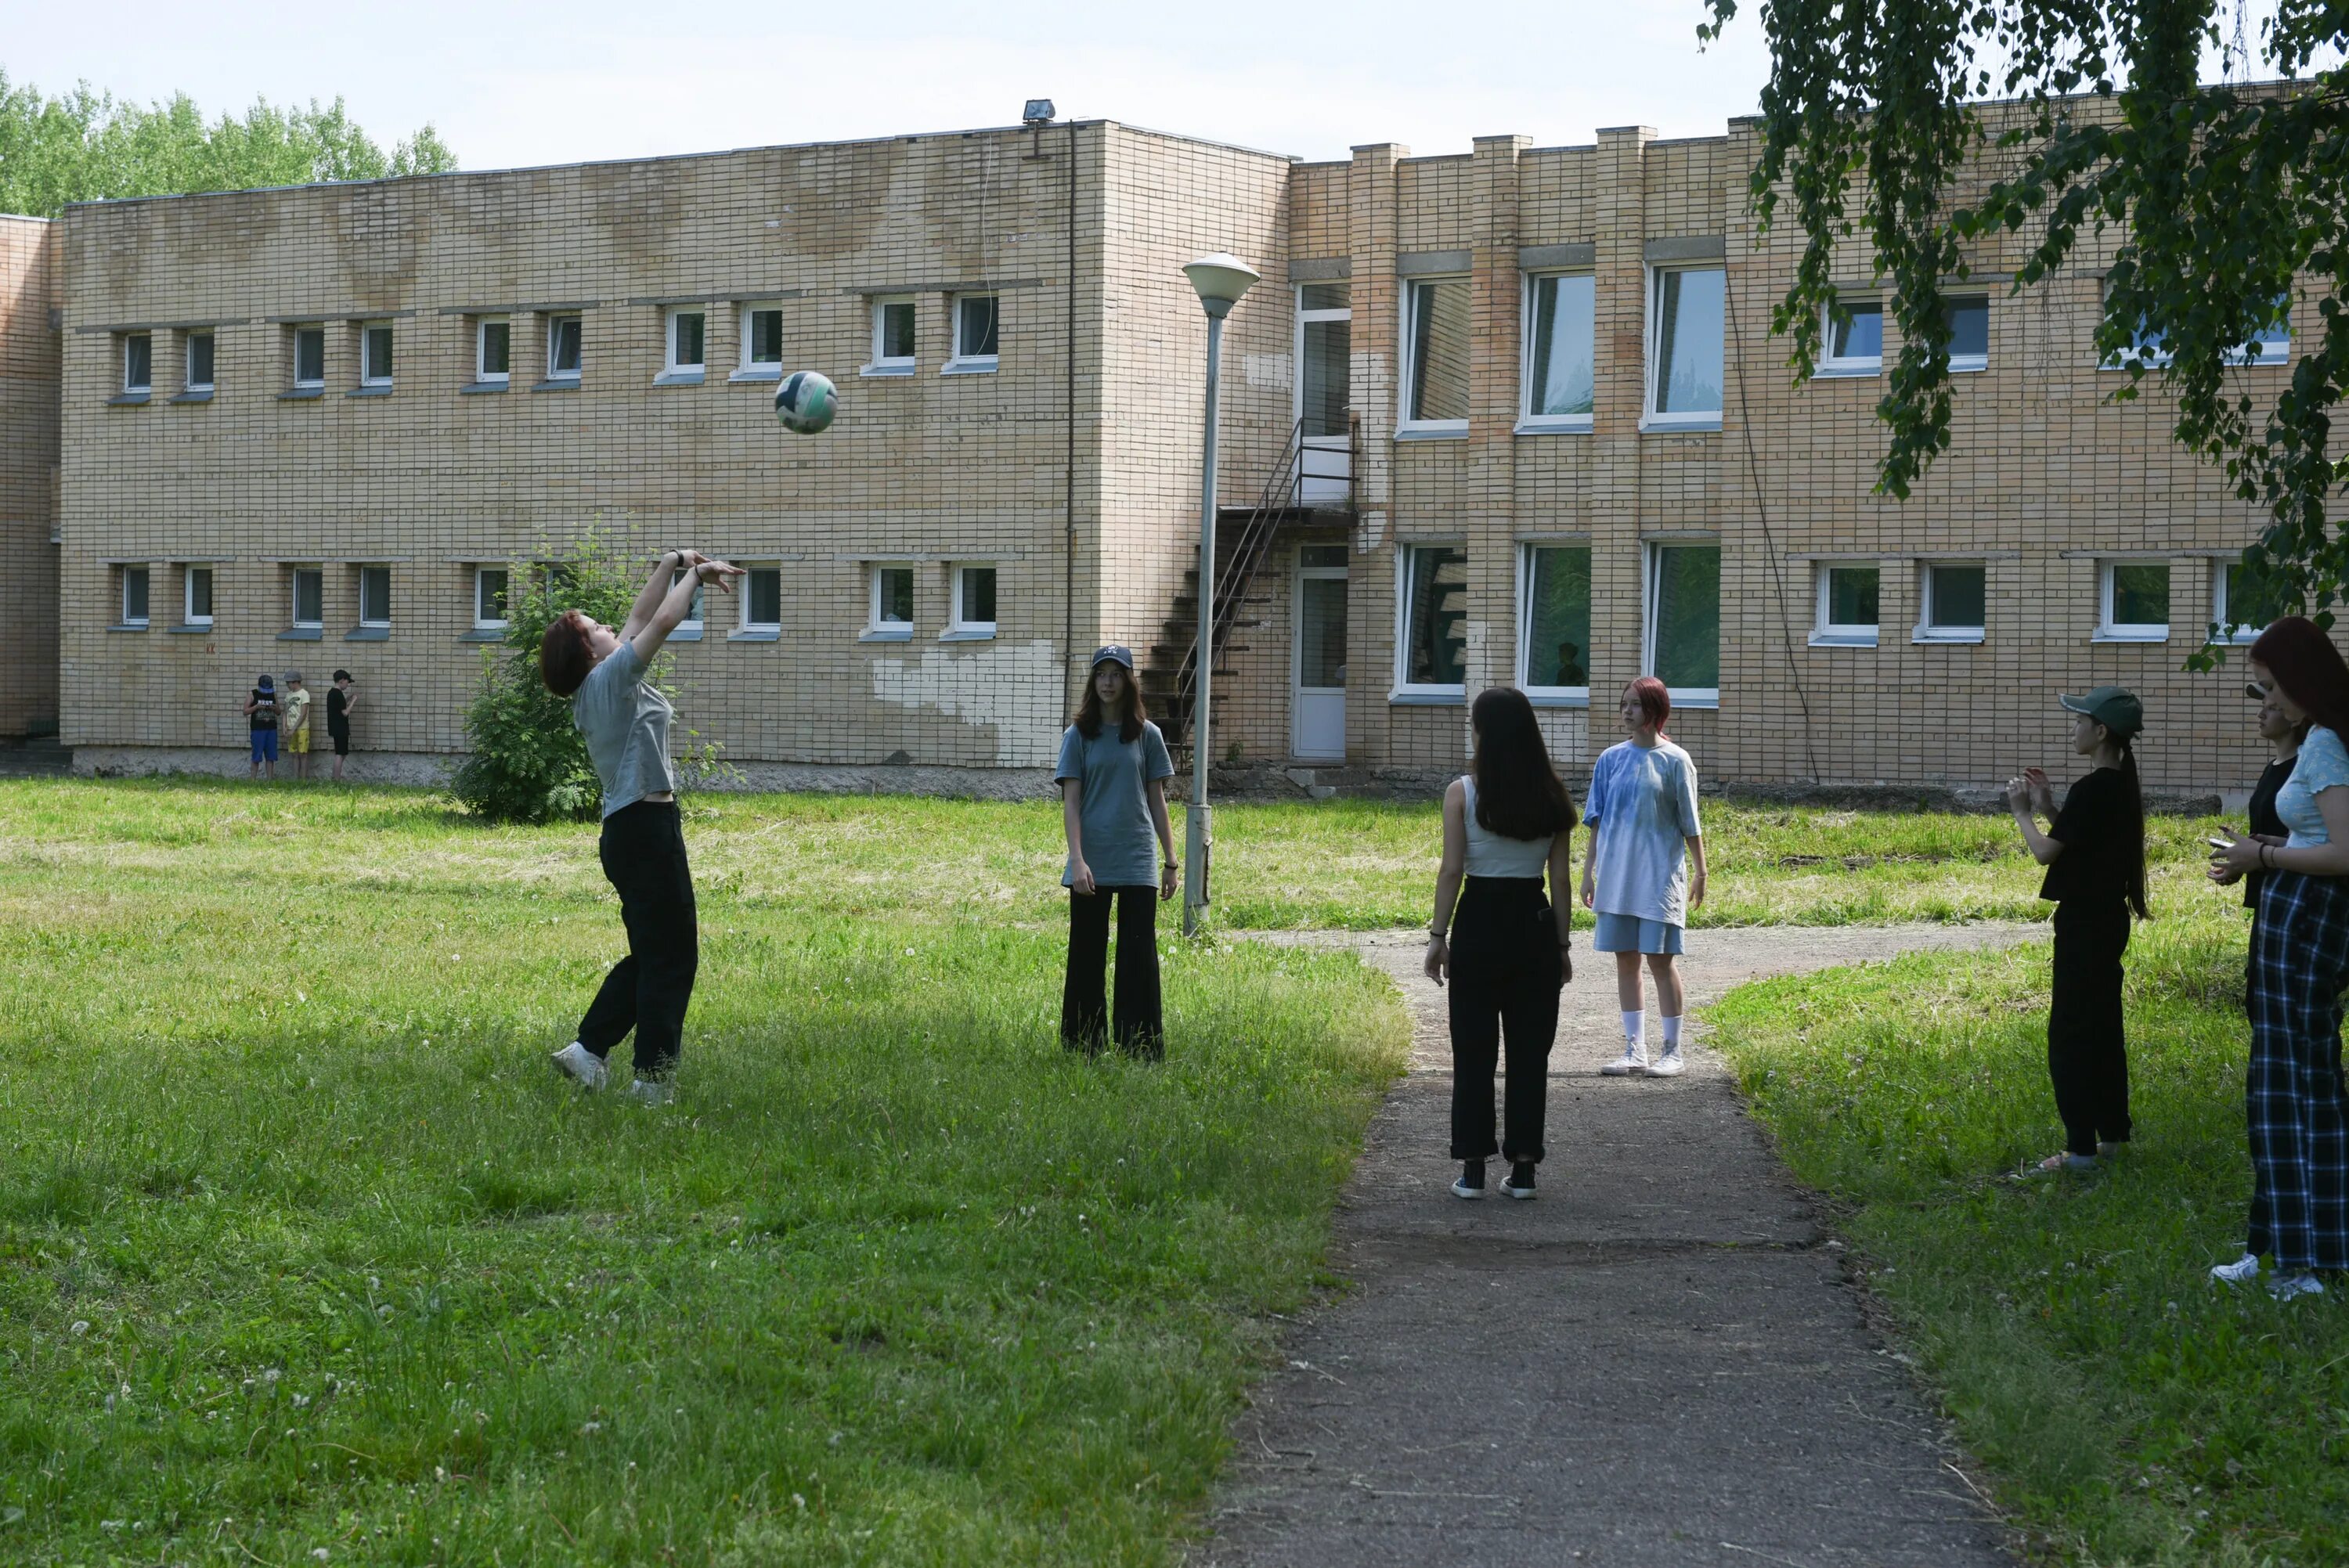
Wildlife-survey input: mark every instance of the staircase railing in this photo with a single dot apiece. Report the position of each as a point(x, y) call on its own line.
point(1251, 545)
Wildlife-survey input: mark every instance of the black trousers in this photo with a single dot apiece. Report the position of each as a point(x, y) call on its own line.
point(1506, 976)
point(643, 850)
point(2087, 1058)
point(1139, 1024)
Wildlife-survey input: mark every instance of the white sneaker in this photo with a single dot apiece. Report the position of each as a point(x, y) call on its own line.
point(581, 1066)
point(2243, 1271)
point(1630, 1064)
point(2284, 1286)
point(651, 1091)
point(1670, 1065)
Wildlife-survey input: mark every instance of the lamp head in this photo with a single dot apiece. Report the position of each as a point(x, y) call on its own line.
point(1038, 112)
point(1221, 279)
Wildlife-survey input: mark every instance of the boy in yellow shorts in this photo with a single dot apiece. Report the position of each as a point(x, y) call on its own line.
point(296, 723)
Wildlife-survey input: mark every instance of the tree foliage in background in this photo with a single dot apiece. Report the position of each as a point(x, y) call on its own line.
point(2221, 193)
point(84, 145)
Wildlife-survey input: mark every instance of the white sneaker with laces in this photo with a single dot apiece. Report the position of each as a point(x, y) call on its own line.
point(2284, 1286)
point(581, 1066)
point(651, 1091)
point(2243, 1271)
point(1630, 1064)
point(1672, 1064)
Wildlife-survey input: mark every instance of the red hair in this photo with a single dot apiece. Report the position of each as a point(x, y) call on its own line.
point(1655, 702)
point(2308, 668)
point(563, 656)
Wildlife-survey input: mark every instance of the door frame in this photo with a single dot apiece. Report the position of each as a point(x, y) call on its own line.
point(1300, 575)
point(1344, 441)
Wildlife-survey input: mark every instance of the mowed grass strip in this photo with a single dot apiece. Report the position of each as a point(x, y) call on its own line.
point(305, 1251)
point(2130, 1411)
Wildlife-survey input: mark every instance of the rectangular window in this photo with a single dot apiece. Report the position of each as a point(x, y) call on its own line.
point(375, 354)
point(974, 601)
point(1846, 606)
point(310, 357)
point(134, 595)
point(893, 336)
point(492, 350)
point(762, 599)
point(1855, 344)
point(1555, 657)
point(1432, 654)
point(1685, 620)
point(138, 362)
point(375, 595)
point(1969, 332)
point(762, 337)
point(1436, 353)
point(892, 605)
point(2248, 602)
point(976, 318)
point(196, 596)
point(1954, 596)
point(1684, 347)
point(690, 627)
point(309, 595)
point(684, 342)
point(563, 347)
point(2269, 345)
point(489, 598)
point(1325, 330)
point(198, 374)
point(1561, 366)
point(2133, 601)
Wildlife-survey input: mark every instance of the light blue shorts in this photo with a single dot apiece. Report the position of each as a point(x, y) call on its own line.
point(1629, 933)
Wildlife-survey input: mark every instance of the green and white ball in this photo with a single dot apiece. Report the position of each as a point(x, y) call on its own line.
point(806, 402)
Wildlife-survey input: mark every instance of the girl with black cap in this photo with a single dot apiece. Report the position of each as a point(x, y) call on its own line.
point(2094, 850)
point(1112, 775)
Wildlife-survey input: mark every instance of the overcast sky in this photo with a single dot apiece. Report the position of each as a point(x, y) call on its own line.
point(523, 83)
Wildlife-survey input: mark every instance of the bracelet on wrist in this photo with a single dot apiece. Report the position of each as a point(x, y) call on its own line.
point(1434, 936)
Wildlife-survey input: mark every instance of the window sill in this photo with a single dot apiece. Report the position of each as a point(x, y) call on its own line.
point(1428, 697)
point(684, 635)
point(302, 395)
point(128, 627)
point(904, 369)
point(558, 384)
point(383, 391)
point(756, 634)
point(1665, 425)
point(759, 373)
point(1843, 639)
point(679, 378)
point(1859, 372)
point(969, 634)
point(1560, 697)
point(1968, 367)
point(2127, 634)
point(483, 635)
point(888, 635)
point(973, 366)
point(199, 395)
point(1553, 424)
point(303, 635)
point(1449, 431)
point(126, 399)
point(204, 631)
point(367, 634)
point(475, 388)
point(1705, 698)
point(1923, 636)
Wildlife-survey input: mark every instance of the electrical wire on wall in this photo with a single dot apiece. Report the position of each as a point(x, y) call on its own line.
point(1762, 510)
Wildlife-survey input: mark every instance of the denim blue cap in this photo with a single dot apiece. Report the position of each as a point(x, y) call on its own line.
point(1113, 653)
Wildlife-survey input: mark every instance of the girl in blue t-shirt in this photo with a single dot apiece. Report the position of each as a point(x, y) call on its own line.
point(1112, 775)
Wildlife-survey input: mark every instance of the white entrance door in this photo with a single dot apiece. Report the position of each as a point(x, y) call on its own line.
point(1317, 693)
point(1325, 329)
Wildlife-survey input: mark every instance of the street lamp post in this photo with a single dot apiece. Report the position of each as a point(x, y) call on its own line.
point(1220, 279)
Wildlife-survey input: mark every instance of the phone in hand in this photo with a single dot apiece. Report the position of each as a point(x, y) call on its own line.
point(2220, 843)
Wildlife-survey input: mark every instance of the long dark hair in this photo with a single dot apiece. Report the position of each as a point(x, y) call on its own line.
point(1519, 795)
point(1088, 711)
point(2309, 670)
point(2133, 863)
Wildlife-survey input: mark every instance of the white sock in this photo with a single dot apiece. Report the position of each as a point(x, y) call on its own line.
point(1635, 1029)
point(1671, 1037)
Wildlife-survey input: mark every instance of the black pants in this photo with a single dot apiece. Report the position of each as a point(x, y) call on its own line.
point(1139, 1024)
point(1505, 975)
point(2087, 1058)
point(643, 850)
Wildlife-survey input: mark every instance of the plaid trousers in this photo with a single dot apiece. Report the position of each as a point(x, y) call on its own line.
point(2292, 1095)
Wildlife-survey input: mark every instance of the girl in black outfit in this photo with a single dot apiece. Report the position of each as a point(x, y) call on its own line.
point(1502, 946)
point(2095, 855)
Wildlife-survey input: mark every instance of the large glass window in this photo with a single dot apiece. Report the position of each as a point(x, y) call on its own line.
point(2249, 601)
point(976, 320)
point(1434, 642)
point(1684, 618)
point(2135, 602)
point(1956, 596)
point(1561, 370)
point(1847, 609)
point(1324, 344)
point(1684, 368)
point(1556, 624)
point(1436, 388)
point(1855, 343)
point(974, 599)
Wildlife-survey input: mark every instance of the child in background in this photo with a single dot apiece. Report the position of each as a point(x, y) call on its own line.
point(261, 716)
point(339, 702)
point(295, 723)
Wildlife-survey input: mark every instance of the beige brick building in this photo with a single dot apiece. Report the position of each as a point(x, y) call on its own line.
point(1517, 413)
point(31, 305)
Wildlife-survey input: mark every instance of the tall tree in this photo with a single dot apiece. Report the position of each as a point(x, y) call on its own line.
point(84, 145)
point(2221, 193)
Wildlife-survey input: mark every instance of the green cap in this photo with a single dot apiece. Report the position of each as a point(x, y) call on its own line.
point(2115, 707)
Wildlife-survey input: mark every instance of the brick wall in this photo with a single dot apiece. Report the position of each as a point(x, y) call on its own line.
point(29, 294)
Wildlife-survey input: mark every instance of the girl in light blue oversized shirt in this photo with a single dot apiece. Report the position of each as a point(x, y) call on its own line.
point(1645, 838)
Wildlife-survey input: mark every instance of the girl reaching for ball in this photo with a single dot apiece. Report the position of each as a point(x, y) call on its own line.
point(625, 720)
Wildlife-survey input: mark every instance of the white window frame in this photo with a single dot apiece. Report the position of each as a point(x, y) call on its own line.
point(308, 383)
point(554, 320)
point(482, 375)
point(961, 363)
point(1966, 364)
point(1549, 695)
point(959, 626)
point(2111, 631)
point(294, 618)
point(145, 575)
point(188, 382)
point(131, 388)
point(1929, 630)
point(1651, 586)
point(1827, 633)
point(1527, 420)
point(483, 621)
point(876, 628)
point(188, 616)
point(1693, 419)
point(369, 373)
point(672, 367)
point(1407, 427)
point(745, 368)
point(1404, 688)
point(893, 364)
point(2275, 351)
point(366, 567)
point(2241, 635)
point(1832, 363)
point(689, 629)
point(744, 623)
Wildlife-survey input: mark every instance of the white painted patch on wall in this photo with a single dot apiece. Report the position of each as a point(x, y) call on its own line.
point(1268, 371)
point(1369, 532)
point(1015, 686)
point(1567, 732)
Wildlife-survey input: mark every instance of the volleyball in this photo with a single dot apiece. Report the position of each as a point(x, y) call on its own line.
point(806, 402)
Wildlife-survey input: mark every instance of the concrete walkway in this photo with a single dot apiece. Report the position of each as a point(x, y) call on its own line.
point(1658, 1361)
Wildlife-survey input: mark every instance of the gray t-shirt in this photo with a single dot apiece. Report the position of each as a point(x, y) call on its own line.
point(626, 722)
point(1116, 816)
point(1641, 808)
